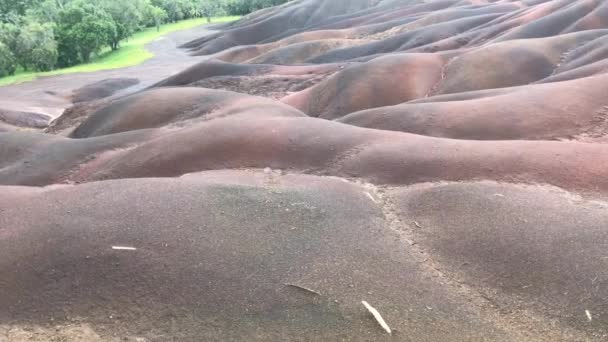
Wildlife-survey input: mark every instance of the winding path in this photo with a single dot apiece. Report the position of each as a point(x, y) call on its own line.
point(51, 95)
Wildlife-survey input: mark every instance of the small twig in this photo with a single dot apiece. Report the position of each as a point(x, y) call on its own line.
point(377, 316)
point(589, 317)
point(123, 248)
point(417, 224)
point(371, 197)
point(304, 288)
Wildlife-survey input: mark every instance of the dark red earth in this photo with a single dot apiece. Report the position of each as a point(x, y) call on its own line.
point(445, 161)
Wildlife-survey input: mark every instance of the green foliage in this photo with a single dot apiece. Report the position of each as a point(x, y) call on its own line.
point(66, 37)
point(213, 8)
point(8, 62)
point(126, 16)
point(173, 8)
point(35, 46)
point(8, 35)
point(131, 53)
point(92, 34)
point(242, 7)
point(44, 58)
point(17, 7)
point(43, 34)
point(83, 29)
point(154, 16)
point(46, 11)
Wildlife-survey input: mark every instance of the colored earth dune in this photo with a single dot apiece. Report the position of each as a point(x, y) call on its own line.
point(445, 161)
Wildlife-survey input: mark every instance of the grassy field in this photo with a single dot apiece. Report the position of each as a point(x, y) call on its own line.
point(130, 53)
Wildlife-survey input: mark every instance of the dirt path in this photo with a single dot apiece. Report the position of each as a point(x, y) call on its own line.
point(50, 95)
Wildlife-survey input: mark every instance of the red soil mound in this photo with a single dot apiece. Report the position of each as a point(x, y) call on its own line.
point(217, 68)
point(102, 89)
point(174, 106)
point(23, 119)
point(516, 113)
point(211, 257)
point(293, 16)
point(378, 83)
point(301, 52)
point(382, 81)
point(250, 139)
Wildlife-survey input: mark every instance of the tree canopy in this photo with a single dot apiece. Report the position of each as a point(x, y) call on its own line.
point(41, 35)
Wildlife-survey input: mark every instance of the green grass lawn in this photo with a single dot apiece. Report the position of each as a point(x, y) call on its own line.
point(132, 52)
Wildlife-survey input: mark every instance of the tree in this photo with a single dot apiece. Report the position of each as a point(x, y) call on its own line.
point(190, 8)
point(178, 9)
point(36, 47)
point(83, 29)
point(156, 16)
point(173, 9)
point(242, 7)
point(68, 52)
point(44, 34)
point(212, 8)
point(126, 16)
point(91, 34)
point(17, 7)
point(46, 11)
point(8, 62)
point(44, 57)
point(8, 35)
